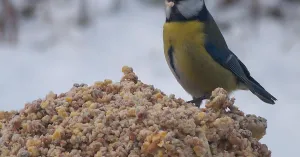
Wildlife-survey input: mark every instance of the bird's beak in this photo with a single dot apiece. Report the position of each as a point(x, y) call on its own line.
point(169, 4)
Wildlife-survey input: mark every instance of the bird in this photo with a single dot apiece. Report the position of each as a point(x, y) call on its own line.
point(198, 55)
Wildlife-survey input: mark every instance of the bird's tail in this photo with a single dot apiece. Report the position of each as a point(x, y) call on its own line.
point(259, 91)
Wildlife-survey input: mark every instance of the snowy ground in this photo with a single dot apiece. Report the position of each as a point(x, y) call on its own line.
point(45, 61)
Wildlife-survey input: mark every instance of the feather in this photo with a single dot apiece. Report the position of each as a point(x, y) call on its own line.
point(228, 60)
point(216, 46)
point(171, 60)
point(190, 8)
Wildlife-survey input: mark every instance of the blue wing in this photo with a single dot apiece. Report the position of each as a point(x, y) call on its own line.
point(230, 61)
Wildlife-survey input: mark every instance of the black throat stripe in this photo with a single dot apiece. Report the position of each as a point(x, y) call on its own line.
point(171, 59)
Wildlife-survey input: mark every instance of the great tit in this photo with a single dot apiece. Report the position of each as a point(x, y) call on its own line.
point(198, 55)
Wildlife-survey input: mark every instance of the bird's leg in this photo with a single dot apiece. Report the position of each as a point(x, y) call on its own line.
point(198, 101)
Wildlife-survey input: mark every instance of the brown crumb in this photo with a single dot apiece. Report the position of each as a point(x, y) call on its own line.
point(130, 118)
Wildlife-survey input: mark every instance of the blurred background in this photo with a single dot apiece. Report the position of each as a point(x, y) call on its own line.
point(48, 45)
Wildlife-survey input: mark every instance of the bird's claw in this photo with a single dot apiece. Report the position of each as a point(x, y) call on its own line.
point(198, 101)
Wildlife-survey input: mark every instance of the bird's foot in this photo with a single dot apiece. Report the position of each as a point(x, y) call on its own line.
point(198, 101)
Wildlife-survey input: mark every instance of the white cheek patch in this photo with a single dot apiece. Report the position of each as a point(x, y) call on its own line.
point(189, 8)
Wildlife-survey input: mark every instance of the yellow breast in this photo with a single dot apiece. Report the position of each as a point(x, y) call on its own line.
point(198, 72)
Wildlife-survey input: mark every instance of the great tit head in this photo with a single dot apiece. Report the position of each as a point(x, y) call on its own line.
point(180, 10)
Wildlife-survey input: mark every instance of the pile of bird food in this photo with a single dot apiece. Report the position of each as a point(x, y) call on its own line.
point(132, 119)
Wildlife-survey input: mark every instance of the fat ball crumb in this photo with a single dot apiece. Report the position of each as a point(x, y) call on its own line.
point(130, 118)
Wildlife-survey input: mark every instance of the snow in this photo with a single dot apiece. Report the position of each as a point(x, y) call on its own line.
point(53, 55)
